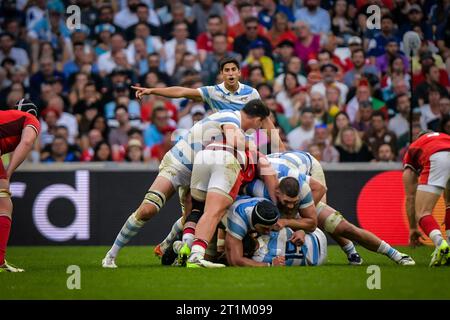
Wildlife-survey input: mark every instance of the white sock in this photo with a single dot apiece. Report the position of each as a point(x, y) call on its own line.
point(436, 237)
point(349, 248)
point(177, 228)
point(197, 253)
point(387, 250)
point(188, 238)
point(128, 231)
point(177, 246)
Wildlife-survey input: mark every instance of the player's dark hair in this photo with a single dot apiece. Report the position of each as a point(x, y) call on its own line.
point(265, 213)
point(226, 60)
point(290, 187)
point(256, 108)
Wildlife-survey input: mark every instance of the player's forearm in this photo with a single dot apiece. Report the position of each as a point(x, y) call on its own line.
point(305, 224)
point(172, 92)
point(411, 211)
point(246, 262)
point(19, 155)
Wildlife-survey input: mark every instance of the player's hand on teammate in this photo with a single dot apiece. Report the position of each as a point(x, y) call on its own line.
point(278, 261)
point(414, 237)
point(298, 238)
point(281, 223)
point(140, 92)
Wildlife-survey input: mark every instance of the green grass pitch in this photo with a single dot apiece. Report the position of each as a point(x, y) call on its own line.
point(140, 276)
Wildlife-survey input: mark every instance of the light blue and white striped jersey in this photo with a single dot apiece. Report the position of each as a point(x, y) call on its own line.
point(284, 168)
point(278, 244)
point(201, 134)
point(300, 159)
point(239, 216)
point(220, 98)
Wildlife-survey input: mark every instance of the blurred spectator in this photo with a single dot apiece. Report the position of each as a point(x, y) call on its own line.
point(378, 134)
point(102, 152)
point(432, 76)
point(210, 67)
point(320, 108)
point(328, 72)
point(294, 65)
point(134, 151)
point(143, 17)
point(160, 120)
point(297, 138)
point(270, 9)
point(128, 15)
point(333, 100)
point(431, 112)
point(80, 51)
point(277, 112)
point(360, 67)
point(60, 151)
point(363, 93)
point(46, 71)
point(245, 9)
point(377, 44)
point(121, 95)
point(422, 64)
point(179, 14)
point(242, 42)
point(286, 96)
point(283, 52)
point(197, 113)
point(49, 117)
point(445, 124)
point(118, 55)
point(65, 119)
point(103, 34)
point(8, 50)
point(202, 9)
point(88, 143)
point(363, 116)
point(416, 18)
point(180, 38)
point(350, 146)
point(321, 139)
point(256, 57)
point(35, 13)
point(99, 122)
point(205, 39)
point(62, 132)
point(385, 153)
point(316, 17)
point(392, 50)
point(307, 43)
point(159, 150)
point(341, 23)
point(256, 76)
point(119, 136)
point(399, 124)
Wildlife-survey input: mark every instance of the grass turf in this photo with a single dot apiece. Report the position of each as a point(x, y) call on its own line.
point(140, 276)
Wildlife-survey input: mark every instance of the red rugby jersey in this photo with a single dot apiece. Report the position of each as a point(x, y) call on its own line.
point(12, 122)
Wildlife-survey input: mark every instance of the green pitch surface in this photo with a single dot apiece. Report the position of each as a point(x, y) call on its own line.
point(140, 276)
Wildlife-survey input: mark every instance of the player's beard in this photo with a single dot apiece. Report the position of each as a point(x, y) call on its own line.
point(288, 213)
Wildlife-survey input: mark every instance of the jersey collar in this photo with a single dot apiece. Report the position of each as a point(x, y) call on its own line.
point(228, 92)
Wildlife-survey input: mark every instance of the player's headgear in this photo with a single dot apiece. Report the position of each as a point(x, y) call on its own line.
point(265, 213)
point(27, 105)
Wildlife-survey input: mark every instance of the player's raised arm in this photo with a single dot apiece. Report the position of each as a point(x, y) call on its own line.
point(169, 92)
point(29, 135)
point(268, 175)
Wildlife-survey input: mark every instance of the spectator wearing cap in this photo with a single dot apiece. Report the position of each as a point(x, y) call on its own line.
point(73, 66)
point(134, 151)
point(121, 94)
point(242, 43)
point(8, 50)
point(379, 134)
point(316, 17)
point(256, 56)
point(128, 15)
point(196, 113)
point(328, 73)
point(153, 133)
point(210, 67)
point(103, 34)
point(237, 27)
point(205, 39)
point(360, 67)
point(307, 43)
point(270, 8)
point(283, 52)
point(108, 61)
point(392, 50)
point(143, 15)
point(280, 30)
point(297, 138)
point(180, 38)
point(377, 44)
point(415, 18)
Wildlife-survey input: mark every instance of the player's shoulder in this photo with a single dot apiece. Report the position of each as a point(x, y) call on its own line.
point(11, 115)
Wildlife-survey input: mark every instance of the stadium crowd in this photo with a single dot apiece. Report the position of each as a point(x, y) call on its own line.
point(336, 87)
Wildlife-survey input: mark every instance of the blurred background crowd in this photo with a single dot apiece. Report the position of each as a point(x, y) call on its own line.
point(336, 87)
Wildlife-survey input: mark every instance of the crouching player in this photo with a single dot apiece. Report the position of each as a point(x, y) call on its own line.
point(328, 218)
point(426, 174)
point(18, 131)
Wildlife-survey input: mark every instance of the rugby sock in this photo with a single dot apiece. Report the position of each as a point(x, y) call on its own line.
point(447, 223)
point(188, 236)
point(176, 229)
point(349, 248)
point(431, 228)
point(128, 231)
point(387, 250)
point(5, 227)
point(198, 250)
